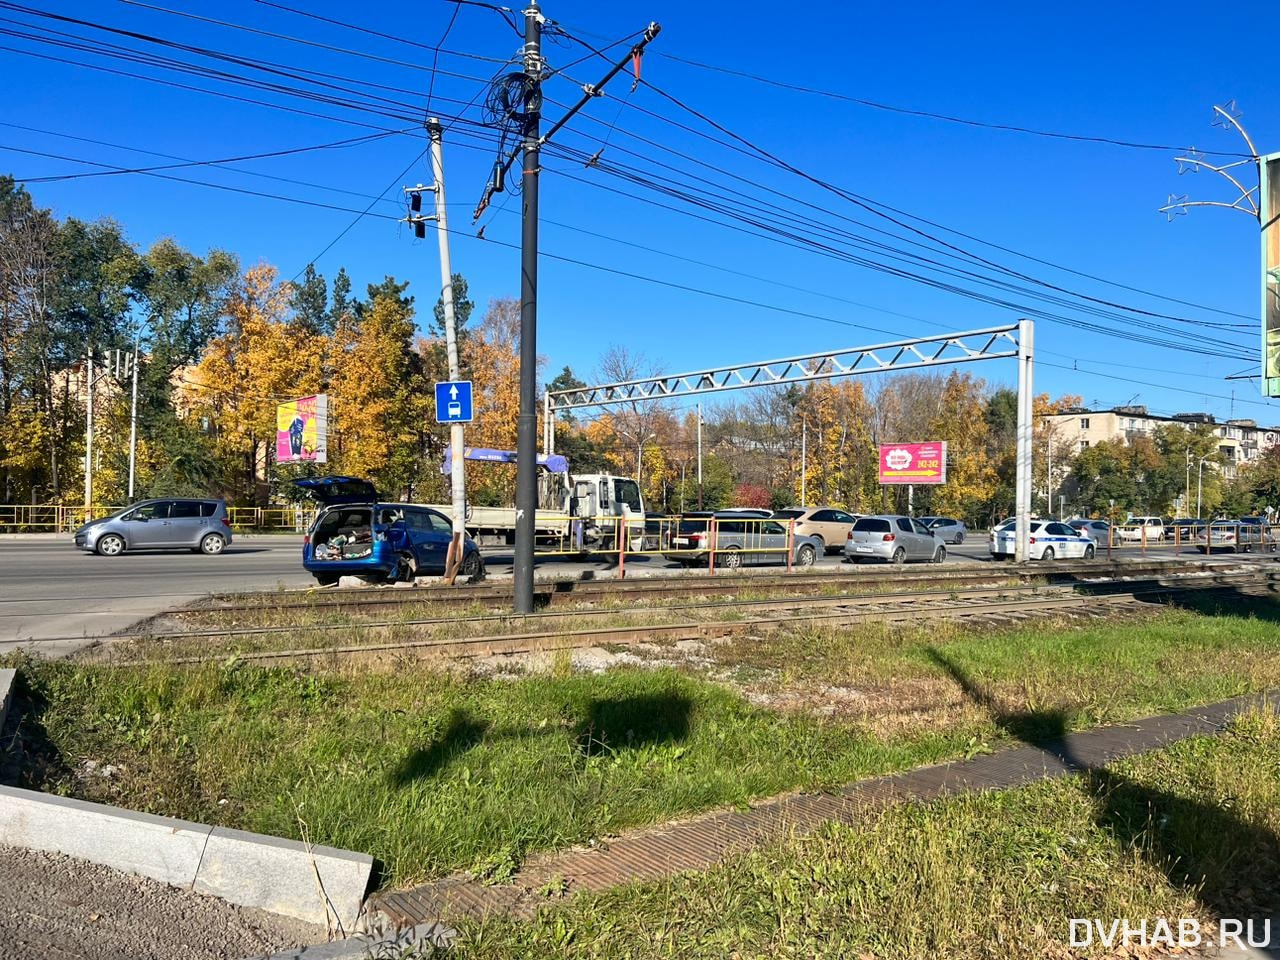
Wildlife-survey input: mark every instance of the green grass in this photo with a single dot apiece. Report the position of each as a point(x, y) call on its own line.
point(1079, 673)
point(426, 771)
point(431, 771)
point(1191, 831)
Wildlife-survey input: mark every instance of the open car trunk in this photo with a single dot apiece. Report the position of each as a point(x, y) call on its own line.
point(343, 533)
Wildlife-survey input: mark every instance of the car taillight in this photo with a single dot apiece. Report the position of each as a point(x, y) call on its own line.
point(306, 539)
point(1033, 540)
point(850, 536)
point(698, 536)
point(226, 522)
point(889, 537)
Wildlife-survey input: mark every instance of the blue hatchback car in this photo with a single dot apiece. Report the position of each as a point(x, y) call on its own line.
point(359, 534)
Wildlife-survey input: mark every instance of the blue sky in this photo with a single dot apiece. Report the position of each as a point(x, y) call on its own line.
point(1110, 72)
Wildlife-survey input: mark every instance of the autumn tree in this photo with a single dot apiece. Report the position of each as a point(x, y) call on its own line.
point(379, 397)
point(264, 357)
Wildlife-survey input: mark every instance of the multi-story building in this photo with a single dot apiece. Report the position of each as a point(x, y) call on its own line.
point(1239, 441)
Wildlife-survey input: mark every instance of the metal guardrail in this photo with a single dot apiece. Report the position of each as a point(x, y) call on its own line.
point(56, 518)
point(602, 538)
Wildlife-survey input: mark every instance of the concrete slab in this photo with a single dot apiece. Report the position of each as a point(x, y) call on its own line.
point(161, 848)
point(315, 883)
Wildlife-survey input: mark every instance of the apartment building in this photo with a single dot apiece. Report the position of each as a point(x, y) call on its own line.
point(1239, 441)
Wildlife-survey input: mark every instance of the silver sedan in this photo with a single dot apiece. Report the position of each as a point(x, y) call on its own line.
point(893, 538)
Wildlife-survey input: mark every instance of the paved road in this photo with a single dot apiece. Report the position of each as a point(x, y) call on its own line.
point(53, 591)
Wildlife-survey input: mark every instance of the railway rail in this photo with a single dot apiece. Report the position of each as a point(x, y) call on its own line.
point(552, 631)
point(561, 592)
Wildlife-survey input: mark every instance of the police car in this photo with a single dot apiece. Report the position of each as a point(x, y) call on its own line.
point(1049, 540)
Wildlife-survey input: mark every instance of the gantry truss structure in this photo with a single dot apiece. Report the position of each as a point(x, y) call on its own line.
point(993, 343)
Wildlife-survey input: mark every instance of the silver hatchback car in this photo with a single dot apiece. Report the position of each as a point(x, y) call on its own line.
point(738, 540)
point(893, 538)
point(168, 524)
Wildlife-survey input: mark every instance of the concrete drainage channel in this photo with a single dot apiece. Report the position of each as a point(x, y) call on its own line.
point(315, 884)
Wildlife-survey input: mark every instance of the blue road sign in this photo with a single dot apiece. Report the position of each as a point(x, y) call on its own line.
point(453, 401)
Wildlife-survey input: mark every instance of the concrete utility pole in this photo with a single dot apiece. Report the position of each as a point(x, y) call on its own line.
point(526, 426)
point(457, 483)
point(133, 416)
point(88, 429)
point(1022, 483)
point(699, 456)
point(804, 460)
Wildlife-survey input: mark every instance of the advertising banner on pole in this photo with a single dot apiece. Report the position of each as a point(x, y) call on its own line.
point(1269, 213)
point(923, 463)
point(302, 430)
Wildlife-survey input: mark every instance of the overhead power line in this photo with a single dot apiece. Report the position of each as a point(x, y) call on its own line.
point(748, 148)
point(909, 111)
point(351, 141)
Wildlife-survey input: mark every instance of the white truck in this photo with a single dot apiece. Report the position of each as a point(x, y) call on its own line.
point(580, 511)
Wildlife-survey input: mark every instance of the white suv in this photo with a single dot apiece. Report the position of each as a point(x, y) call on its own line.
point(1138, 528)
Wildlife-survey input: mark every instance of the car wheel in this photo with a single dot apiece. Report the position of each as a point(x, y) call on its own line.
point(110, 545)
point(899, 556)
point(327, 579)
point(959, 538)
point(473, 566)
point(941, 555)
point(804, 556)
point(1089, 551)
point(731, 559)
point(212, 544)
point(1048, 554)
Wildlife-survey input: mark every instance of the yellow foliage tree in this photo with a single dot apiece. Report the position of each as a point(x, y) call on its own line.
point(378, 398)
point(971, 475)
point(263, 359)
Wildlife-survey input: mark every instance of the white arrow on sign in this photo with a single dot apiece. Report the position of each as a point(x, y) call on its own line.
point(453, 392)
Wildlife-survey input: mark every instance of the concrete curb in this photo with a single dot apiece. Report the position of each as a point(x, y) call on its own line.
point(314, 884)
point(7, 679)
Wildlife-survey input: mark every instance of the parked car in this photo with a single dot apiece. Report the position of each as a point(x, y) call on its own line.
point(1236, 536)
point(949, 530)
point(168, 524)
point(754, 513)
point(1150, 529)
point(657, 527)
point(738, 540)
point(893, 538)
point(1185, 530)
point(1048, 540)
point(1099, 531)
point(359, 534)
point(827, 524)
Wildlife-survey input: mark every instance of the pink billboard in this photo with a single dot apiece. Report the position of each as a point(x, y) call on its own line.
point(302, 430)
point(913, 462)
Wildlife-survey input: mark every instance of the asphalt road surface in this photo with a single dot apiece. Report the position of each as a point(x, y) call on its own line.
point(52, 593)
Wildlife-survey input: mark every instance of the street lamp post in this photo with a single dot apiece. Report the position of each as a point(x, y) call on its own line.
point(1200, 486)
point(1186, 498)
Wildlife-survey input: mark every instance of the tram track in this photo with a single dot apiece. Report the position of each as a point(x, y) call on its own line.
point(564, 592)
point(555, 630)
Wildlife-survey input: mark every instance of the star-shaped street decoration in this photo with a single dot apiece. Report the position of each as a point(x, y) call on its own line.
point(1190, 163)
point(1175, 207)
point(1223, 115)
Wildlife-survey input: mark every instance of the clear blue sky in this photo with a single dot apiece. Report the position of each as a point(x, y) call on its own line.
point(1093, 70)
